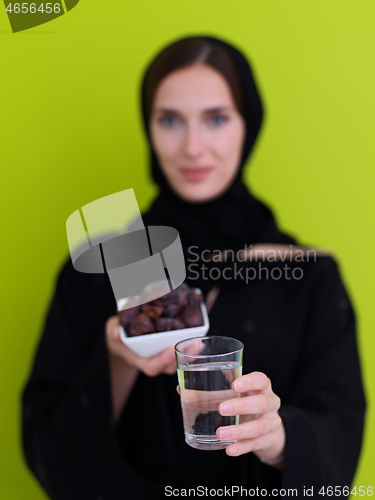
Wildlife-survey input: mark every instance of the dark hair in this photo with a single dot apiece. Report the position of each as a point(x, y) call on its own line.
point(188, 52)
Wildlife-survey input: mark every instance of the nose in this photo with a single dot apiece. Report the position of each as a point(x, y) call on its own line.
point(193, 141)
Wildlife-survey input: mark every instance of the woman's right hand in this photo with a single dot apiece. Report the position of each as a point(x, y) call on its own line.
point(165, 362)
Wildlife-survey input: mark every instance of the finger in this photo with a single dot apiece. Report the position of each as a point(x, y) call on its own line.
point(163, 358)
point(195, 347)
point(167, 357)
point(247, 445)
point(156, 364)
point(211, 297)
point(150, 366)
point(257, 403)
point(171, 368)
point(254, 381)
point(178, 390)
point(248, 430)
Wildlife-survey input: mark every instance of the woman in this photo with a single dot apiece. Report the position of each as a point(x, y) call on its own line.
point(102, 422)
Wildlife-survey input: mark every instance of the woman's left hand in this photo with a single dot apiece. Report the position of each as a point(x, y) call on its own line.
point(261, 429)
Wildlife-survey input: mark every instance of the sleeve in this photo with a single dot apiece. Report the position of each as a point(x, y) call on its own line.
point(324, 413)
point(68, 433)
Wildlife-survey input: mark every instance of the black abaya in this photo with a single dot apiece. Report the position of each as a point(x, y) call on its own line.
point(301, 333)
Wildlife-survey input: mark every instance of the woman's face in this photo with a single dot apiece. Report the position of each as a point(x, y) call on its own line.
point(197, 132)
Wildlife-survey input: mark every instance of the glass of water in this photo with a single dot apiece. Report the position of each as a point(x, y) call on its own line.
point(206, 368)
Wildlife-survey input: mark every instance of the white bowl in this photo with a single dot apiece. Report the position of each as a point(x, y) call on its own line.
point(154, 343)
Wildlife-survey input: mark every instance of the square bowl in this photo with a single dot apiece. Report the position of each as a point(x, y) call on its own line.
point(153, 343)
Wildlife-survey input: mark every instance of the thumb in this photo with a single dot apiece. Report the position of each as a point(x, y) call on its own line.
point(113, 329)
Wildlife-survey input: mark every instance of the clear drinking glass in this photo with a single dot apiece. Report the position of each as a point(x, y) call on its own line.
point(206, 368)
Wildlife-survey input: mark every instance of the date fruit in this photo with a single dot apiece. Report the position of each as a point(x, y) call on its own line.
point(195, 298)
point(141, 325)
point(192, 316)
point(152, 311)
point(128, 315)
point(171, 310)
point(181, 308)
point(167, 324)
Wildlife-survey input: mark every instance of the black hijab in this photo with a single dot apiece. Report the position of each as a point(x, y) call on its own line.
point(230, 221)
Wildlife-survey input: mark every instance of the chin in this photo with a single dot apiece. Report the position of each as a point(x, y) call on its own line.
point(196, 194)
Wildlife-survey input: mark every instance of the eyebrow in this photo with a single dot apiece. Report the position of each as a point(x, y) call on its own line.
point(207, 111)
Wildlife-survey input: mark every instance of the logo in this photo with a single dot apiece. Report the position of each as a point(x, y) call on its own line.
point(108, 236)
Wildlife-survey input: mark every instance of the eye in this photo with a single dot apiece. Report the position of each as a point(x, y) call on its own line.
point(218, 120)
point(168, 121)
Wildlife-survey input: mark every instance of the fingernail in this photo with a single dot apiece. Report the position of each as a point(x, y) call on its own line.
point(239, 385)
point(232, 450)
point(224, 433)
point(226, 408)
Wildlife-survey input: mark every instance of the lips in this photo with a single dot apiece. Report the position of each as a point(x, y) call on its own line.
point(195, 174)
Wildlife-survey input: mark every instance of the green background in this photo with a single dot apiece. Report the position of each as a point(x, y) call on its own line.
point(70, 133)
